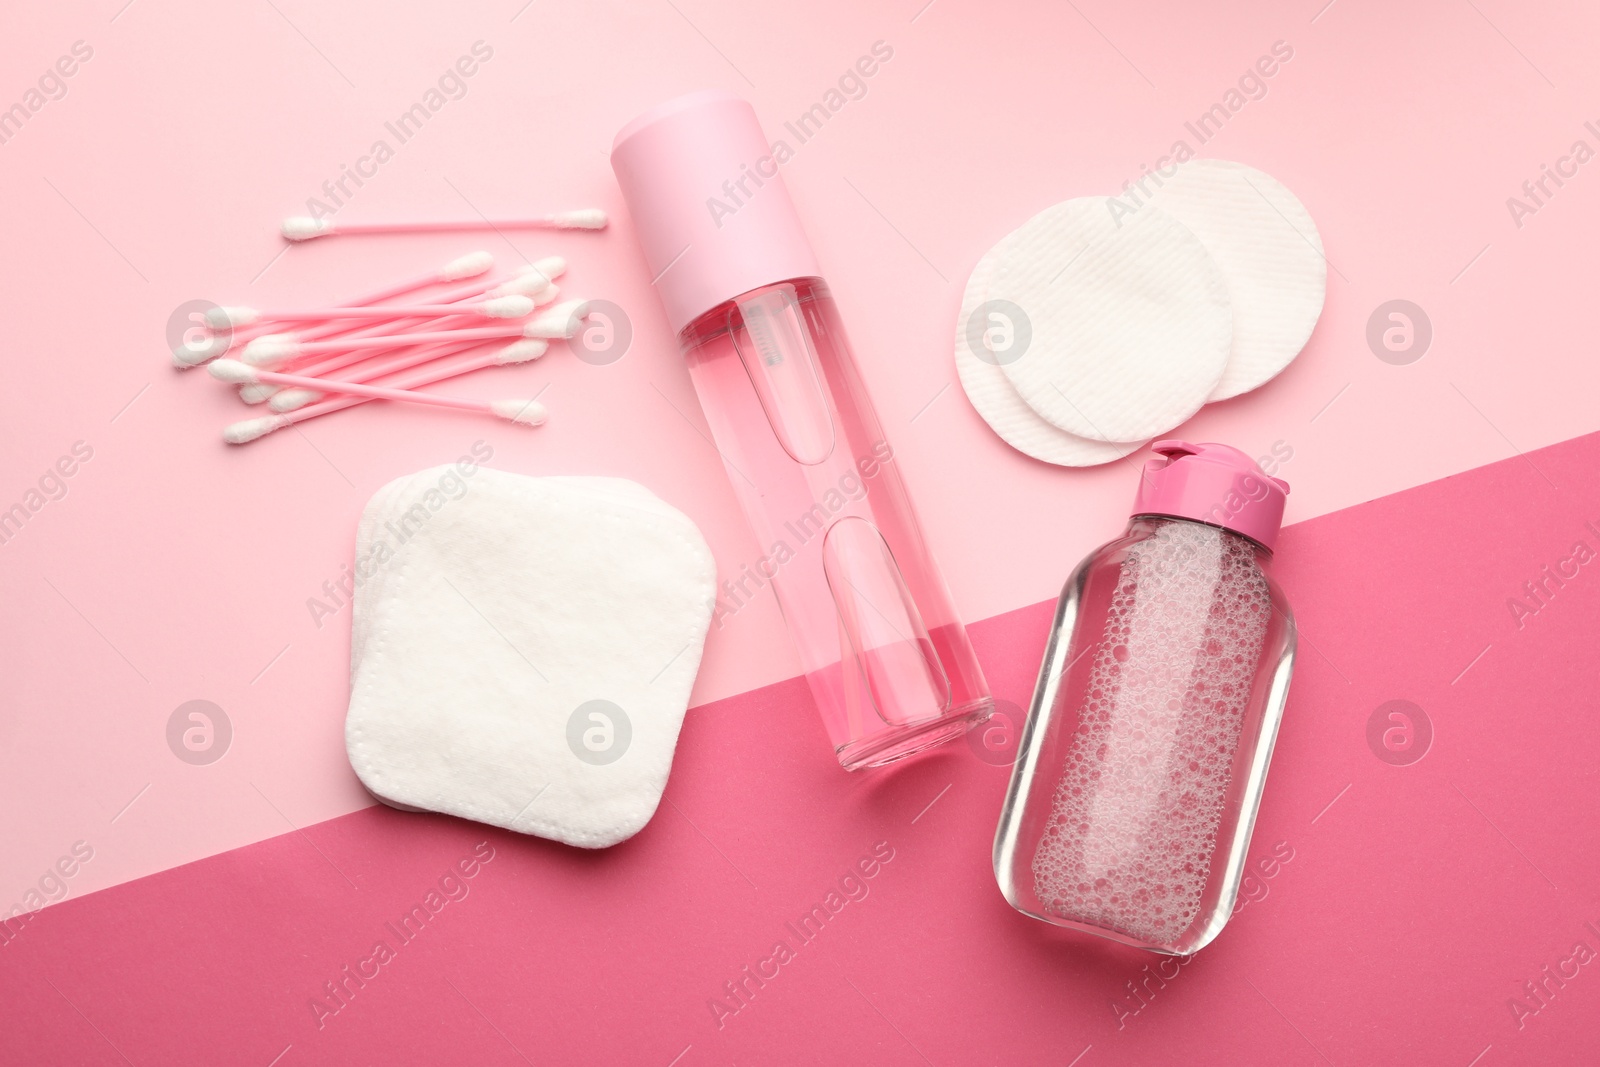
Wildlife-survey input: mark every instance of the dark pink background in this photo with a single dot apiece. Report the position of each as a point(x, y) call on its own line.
point(1418, 900)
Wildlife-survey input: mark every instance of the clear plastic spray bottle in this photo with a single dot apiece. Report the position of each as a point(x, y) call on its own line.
point(887, 659)
point(1140, 767)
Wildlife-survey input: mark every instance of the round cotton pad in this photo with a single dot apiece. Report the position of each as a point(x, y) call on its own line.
point(1269, 251)
point(985, 335)
point(1128, 318)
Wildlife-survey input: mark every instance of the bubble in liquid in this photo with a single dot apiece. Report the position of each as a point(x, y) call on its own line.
point(1135, 815)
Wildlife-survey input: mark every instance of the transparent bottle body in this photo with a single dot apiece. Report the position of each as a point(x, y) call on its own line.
point(887, 659)
point(1142, 761)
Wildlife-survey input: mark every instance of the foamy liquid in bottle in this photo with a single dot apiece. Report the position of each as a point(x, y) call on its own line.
point(1134, 817)
point(1141, 764)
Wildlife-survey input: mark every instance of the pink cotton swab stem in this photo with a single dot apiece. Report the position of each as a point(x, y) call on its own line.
point(468, 266)
point(311, 367)
point(528, 412)
point(306, 364)
point(268, 346)
point(303, 228)
point(535, 280)
point(371, 392)
point(372, 368)
point(500, 307)
point(317, 368)
point(250, 429)
point(236, 335)
point(529, 280)
point(405, 359)
point(542, 271)
point(339, 361)
point(559, 320)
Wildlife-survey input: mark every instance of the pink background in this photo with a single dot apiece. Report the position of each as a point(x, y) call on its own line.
point(176, 568)
point(1408, 906)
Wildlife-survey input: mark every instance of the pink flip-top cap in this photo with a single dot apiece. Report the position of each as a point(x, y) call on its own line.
point(1215, 484)
point(708, 205)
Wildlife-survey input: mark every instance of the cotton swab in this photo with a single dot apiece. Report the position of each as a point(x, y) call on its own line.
point(249, 429)
point(533, 279)
point(372, 365)
point(468, 266)
point(260, 391)
point(275, 348)
point(560, 321)
point(267, 354)
point(305, 228)
point(533, 283)
point(500, 307)
point(530, 283)
point(526, 412)
point(549, 268)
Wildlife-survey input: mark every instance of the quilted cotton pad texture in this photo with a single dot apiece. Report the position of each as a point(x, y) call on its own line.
point(1270, 253)
point(1129, 317)
point(523, 649)
point(985, 337)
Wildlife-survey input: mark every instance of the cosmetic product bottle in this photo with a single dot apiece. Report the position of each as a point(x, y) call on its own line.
point(879, 641)
point(1141, 763)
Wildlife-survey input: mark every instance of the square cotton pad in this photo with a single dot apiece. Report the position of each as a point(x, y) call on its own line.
point(522, 649)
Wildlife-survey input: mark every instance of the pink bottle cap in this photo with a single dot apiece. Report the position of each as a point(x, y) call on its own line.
point(1214, 484)
point(708, 205)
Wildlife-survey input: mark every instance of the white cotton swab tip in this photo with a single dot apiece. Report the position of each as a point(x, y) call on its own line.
point(304, 227)
point(521, 352)
point(187, 356)
point(222, 318)
point(258, 392)
point(506, 307)
point(549, 268)
point(468, 266)
point(231, 370)
point(241, 433)
point(559, 321)
point(270, 349)
point(586, 219)
point(521, 285)
point(526, 412)
point(289, 399)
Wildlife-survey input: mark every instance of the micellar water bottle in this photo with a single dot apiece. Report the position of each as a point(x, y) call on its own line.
point(1140, 767)
point(886, 656)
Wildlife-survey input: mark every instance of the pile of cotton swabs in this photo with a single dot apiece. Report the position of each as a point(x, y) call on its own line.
point(302, 363)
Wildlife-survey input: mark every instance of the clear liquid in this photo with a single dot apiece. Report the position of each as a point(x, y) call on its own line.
point(888, 660)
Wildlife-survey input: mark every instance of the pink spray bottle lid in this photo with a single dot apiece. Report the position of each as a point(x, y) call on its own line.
point(1213, 484)
point(708, 204)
